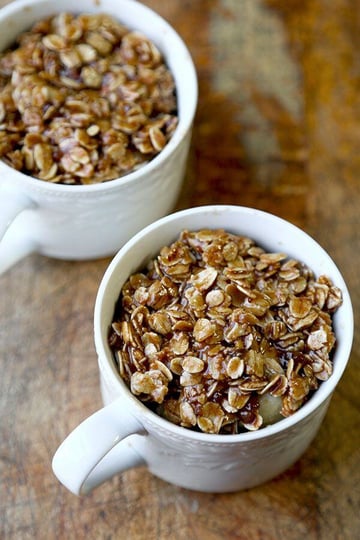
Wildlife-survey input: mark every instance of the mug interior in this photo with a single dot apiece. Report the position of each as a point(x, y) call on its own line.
point(270, 232)
point(22, 14)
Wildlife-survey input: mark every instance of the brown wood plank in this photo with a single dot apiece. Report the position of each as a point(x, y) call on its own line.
point(277, 128)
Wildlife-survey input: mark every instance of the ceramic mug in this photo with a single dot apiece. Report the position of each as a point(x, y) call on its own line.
point(125, 433)
point(92, 221)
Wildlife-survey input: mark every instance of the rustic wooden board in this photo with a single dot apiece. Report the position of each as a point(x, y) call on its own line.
point(278, 128)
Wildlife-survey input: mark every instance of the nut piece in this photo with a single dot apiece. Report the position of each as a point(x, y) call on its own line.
point(217, 335)
point(150, 383)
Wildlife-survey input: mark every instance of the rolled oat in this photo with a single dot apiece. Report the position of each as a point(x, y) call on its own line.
point(218, 335)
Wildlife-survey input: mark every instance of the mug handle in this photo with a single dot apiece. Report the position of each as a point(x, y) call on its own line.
point(13, 247)
point(96, 450)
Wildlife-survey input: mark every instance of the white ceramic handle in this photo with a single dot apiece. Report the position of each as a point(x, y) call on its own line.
point(13, 247)
point(96, 450)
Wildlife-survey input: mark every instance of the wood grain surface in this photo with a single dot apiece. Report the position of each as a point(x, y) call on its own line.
point(277, 128)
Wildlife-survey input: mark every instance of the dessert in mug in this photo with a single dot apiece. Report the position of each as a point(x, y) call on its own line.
point(83, 99)
point(218, 335)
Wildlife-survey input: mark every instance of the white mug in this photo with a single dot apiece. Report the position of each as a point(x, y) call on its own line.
point(125, 433)
point(93, 221)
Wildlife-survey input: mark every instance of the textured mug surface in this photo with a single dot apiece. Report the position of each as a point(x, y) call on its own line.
point(125, 433)
point(92, 221)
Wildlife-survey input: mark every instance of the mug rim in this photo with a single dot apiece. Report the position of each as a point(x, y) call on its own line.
point(107, 366)
point(184, 124)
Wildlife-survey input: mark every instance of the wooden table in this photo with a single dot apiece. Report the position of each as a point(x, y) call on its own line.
point(277, 128)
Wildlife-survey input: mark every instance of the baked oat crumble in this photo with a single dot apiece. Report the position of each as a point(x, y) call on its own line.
point(220, 336)
point(83, 99)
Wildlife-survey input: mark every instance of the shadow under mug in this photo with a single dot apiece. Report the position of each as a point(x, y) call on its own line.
point(93, 221)
point(125, 433)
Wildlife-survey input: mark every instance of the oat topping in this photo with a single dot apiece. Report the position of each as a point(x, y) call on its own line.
point(83, 100)
point(218, 335)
